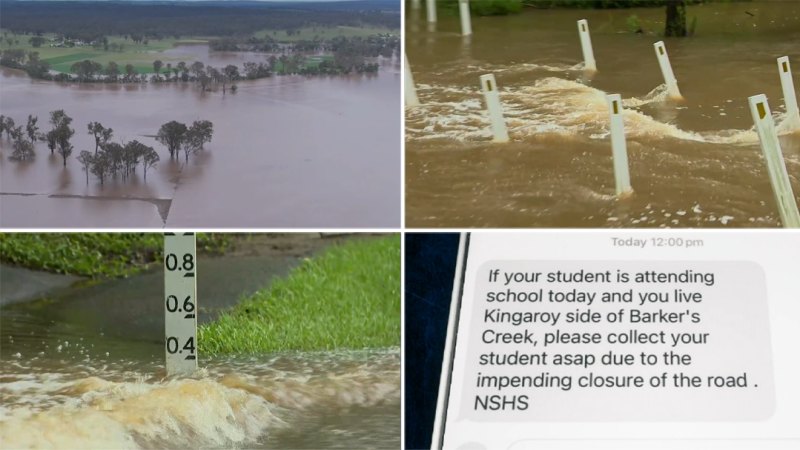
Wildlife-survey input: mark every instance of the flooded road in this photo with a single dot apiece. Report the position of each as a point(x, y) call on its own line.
point(75, 374)
point(696, 163)
point(287, 151)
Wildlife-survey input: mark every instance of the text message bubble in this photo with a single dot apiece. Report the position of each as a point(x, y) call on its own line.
point(613, 341)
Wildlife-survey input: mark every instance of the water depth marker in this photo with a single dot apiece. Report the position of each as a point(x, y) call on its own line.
point(666, 70)
point(466, 21)
point(619, 148)
point(586, 45)
point(789, 96)
point(776, 166)
point(431, 4)
point(410, 88)
point(180, 302)
point(495, 108)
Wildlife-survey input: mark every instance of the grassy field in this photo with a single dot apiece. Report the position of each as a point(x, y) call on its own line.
point(311, 33)
point(142, 56)
point(95, 254)
point(347, 297)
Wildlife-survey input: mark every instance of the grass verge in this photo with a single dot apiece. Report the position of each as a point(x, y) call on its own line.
point(94, 254)
point(346, 298)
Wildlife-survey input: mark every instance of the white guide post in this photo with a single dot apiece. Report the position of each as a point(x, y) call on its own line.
point(180, 302)
point(619, 147)
point(776, 166)
point(586, 45)
point(495, 108)
point(789, 95)
point(666, 70)
point(409, 87)
point(466, 21)
point(431, 4)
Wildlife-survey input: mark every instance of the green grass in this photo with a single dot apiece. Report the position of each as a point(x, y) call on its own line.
point(94, 254)
point(309, 33)
point(140, 55)
point(346, 298)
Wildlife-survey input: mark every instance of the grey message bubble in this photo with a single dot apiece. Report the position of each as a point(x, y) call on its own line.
point(715, 312)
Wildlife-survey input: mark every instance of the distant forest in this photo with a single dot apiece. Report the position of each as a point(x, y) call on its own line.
point(91, 20)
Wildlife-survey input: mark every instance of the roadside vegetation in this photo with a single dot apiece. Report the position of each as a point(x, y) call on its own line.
point(345, 298)
point(96, 255)
point(674, 25)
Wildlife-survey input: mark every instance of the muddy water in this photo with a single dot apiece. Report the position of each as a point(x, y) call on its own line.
point(694, 163)
point(76, 375)
point(286, 152)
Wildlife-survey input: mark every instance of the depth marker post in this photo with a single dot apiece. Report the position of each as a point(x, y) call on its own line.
point(789, 96)
point(410, 88)
point(431, 4)
point(466, 21)
point(495, 108)
point(180, 302)
point(776, 166)
point(666, 70)
point(619, 148)
point(586, 45)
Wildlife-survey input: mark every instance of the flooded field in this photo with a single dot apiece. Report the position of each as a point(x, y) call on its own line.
point(287, 151)
point(81, 369)
point(695, 163)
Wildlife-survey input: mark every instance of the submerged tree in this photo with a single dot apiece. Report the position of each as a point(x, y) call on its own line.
point(149, 159)
point(31, 128)
point(8, 124)
point(61, 134)
point(172, 134)
point(85, 158)
point(23, 148)
point(101, 134)
point(201, 132)
point(100, 166)
point(51, 139)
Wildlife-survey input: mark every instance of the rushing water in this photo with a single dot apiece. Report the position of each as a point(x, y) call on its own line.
point(693, 163)
point(83, 367)
point(288, 151)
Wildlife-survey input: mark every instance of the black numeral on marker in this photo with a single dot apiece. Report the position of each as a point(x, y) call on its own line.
point(188, 306)
point(172, 263)
point(173, 346)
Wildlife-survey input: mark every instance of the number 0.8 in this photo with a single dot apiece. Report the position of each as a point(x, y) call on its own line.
point(171, 262)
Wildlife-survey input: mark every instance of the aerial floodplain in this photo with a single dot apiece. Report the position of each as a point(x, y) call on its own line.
point(200, 114)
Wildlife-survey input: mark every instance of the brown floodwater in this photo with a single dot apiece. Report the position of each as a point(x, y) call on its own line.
point(81, 371)
point(696, 163)
point(287, 151)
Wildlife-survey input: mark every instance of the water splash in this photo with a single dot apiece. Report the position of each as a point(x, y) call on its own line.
point(230, 404)
point(552, 106)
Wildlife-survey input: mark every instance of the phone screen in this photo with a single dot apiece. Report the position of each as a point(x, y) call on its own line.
point(623, 340)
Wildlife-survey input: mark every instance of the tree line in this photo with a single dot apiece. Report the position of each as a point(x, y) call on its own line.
point(89, 21)
point(109, 159)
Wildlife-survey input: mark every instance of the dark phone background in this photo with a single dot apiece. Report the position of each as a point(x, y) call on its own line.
point(430, 266)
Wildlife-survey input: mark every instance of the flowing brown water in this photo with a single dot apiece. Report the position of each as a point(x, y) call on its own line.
point(74, 374)
point(287, 151)
point(695, 163)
